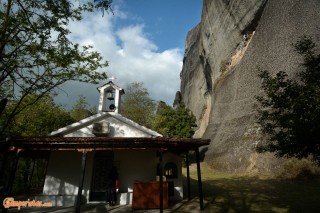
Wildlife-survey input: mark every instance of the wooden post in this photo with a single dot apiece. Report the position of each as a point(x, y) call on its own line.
point(199, 180)
point(47, 164)
point(82, 174)
point(188, 175)
point(161, 181)
point(11, 177)
point(3, 166)
point(31, 175)
point(13, 172)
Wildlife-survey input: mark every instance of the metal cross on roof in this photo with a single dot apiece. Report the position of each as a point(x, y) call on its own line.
point(112, 78)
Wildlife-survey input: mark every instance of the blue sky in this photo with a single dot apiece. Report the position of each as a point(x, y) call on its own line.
point(143, 41)
point(166, 21)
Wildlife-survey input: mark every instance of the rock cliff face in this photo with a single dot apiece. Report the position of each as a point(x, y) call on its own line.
point(219, 79)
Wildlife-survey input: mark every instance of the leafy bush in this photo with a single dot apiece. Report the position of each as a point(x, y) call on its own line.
point(290, 109)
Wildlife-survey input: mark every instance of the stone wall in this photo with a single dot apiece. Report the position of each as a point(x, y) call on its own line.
point(219, 79)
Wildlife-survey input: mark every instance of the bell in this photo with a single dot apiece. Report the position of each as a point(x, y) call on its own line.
point(110, 96)
point(112, 107)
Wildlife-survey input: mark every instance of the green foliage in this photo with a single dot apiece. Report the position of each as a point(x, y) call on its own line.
point(137, 105)
point(44, 117)
point(39, 120)
point(176, 123)
point(290, 109)
point(29, 176)
point(81, 110)
point(36, 55)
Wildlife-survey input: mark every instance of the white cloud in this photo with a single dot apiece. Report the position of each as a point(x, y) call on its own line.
point(134, 40)
point(132, 57)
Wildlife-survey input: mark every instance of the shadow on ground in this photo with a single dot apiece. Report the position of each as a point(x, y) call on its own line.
point(251, 194)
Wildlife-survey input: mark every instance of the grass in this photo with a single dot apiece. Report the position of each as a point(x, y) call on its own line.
point(231, 193)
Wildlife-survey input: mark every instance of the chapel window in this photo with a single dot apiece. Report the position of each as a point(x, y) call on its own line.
point(171, 170)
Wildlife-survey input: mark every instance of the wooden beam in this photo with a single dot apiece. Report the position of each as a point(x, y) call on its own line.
point(72, 143)
point(199, 180)
point(82, 174)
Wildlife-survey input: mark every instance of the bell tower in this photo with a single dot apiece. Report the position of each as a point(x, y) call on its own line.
point(110, 96)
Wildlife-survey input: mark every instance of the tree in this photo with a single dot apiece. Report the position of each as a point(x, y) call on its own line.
point(137, 105)
point(290, 109)
point(81, 110)
point(39, 120)
point(176, 123)
point(36, 55)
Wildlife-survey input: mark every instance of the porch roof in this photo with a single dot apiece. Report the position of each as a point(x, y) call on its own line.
point(101, 143)
point(42, 145)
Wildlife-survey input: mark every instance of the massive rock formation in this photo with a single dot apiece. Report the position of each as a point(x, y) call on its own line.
point(219, 79)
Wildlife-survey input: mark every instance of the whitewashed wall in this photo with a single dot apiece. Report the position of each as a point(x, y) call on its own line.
point(63, 174)
point(135, 165)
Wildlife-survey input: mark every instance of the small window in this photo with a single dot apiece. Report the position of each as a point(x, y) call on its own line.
point(171, 170)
